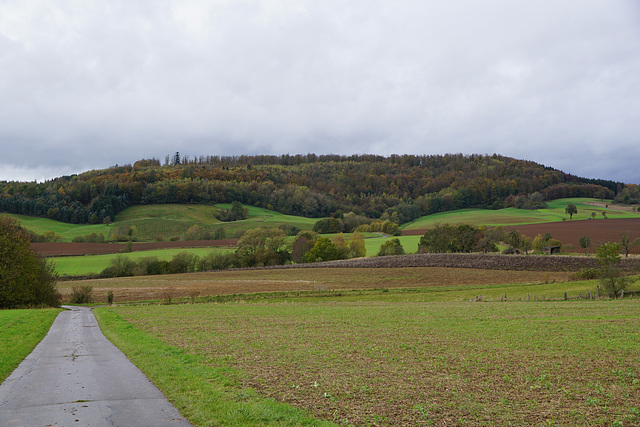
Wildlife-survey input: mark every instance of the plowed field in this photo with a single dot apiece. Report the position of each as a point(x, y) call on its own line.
point(569, 232)
point(75, 249)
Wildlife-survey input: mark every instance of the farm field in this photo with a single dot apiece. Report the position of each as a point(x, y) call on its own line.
point(434, 283)
point(600, 231)
point(386, 362)
point(555, 212)
point(21, 331)
point(93, 264)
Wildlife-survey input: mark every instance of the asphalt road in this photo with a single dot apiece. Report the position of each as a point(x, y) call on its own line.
point(76, 377)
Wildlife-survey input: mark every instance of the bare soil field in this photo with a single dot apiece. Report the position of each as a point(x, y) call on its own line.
point(569, 232)
point(600, 231)
point(75, 249)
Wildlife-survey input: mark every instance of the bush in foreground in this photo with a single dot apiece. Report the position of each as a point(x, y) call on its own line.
point(25, 279)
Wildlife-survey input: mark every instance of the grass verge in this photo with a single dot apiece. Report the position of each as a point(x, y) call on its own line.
point(205, 390)
point(20, 332)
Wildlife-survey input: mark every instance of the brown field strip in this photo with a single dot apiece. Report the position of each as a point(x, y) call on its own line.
point(308, 279)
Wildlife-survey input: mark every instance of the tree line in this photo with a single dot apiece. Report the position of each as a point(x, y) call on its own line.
point(304, 185)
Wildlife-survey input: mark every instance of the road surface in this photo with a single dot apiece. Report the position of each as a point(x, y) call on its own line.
point(76, 377)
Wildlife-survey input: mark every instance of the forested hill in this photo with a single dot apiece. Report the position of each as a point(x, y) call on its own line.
point(306, 185)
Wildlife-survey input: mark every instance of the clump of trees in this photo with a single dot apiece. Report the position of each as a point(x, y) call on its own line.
point(460, 238)
point(236, 213)
point(26, 280)
point(391, 247)
point(523, 201)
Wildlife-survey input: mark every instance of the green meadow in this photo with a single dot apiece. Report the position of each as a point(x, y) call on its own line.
point(554, 212)
point(93, 264)
point(164, 222)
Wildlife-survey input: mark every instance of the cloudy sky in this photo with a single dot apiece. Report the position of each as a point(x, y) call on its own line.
point(89, 84)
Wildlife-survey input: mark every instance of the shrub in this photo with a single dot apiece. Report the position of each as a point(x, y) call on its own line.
point(82, 294)
point(214, 261)
point(391, 247)
point(184, 262)
point(587, 274)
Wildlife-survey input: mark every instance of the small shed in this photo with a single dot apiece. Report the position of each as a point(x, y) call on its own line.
point(551, 250)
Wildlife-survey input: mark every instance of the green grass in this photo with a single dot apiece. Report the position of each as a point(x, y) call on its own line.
point(512, 216)
point(205, 391)
point(20, 332)
point(387, 362)
point(409, 243)
point(162, 222)
point(92, 264)
point(67, 231)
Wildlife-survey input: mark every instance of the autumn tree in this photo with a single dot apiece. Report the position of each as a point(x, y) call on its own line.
point(625, 243)
point(25, 279)
point(585, 242)
point(571, 210)
point(391, 247)
point(612, 279)
point(263, 246)
point(323, 250)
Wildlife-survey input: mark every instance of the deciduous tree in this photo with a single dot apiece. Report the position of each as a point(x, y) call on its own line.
point(25, 279)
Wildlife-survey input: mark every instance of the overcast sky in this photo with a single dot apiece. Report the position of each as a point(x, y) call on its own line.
point(89, 84)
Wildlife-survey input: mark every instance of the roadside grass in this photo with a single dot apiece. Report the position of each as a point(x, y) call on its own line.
point(554, 212)
point(207, 391)
point(94, 264)
point(20, 332)
point(442, 282)
point(383, 362)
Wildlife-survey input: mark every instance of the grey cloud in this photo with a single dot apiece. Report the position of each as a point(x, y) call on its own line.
point(90, 84)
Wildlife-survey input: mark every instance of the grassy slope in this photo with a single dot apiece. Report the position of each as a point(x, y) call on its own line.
point(522, 363)
point(161, 222)
point(512, 216)
point(20, 332)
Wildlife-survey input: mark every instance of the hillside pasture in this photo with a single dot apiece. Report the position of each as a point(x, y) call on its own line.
point(166, 222)
point(555, 212)
point(389, 363)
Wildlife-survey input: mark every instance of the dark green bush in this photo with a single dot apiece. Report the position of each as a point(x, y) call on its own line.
point(82, 294)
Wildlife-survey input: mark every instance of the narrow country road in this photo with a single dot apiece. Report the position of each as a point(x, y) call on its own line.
point(76, 377)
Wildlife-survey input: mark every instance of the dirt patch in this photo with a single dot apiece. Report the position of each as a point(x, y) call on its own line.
point(569, 232)
point(75, 249)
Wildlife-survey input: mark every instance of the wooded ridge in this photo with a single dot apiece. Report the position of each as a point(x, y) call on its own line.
point(304, 185)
